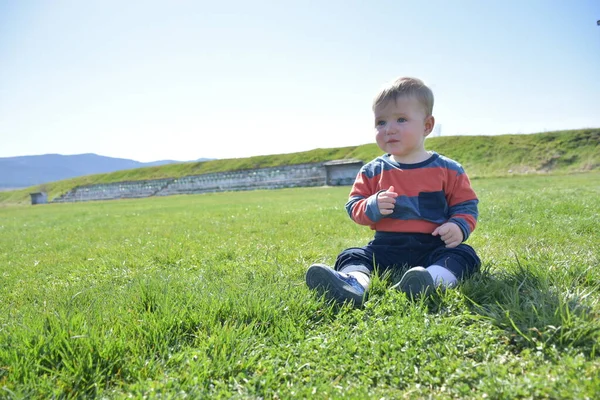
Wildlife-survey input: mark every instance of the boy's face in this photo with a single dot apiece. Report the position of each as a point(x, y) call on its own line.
point(401, 127)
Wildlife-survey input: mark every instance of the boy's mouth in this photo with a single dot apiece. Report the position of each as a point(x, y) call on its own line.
point(393, 141)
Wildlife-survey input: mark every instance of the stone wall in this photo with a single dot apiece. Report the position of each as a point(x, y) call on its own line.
point(117, 190)
point(263, 178)
point(299, 175)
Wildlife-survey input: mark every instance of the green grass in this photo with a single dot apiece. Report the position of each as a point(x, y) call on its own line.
point(482, 156)
point(204, 296)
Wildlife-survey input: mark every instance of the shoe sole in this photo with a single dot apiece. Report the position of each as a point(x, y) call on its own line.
point(323, 279)
point(415, 282)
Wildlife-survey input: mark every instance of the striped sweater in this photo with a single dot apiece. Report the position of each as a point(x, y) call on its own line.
point(430, 193)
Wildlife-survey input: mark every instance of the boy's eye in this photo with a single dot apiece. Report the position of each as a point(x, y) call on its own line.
point(380, 123)
point(401, 119)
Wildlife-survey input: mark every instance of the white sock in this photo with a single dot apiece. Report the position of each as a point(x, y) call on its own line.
point(442, 276)
point(362, 278)
point(358, 272)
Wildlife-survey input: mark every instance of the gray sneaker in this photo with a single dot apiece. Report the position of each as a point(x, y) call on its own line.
point(415, 282)
point(335, 285)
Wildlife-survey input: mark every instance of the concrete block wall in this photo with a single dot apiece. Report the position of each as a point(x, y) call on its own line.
point(111, 191)
point(299, 175)
point(263, 178)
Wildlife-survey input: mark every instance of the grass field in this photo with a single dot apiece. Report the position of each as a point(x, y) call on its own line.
point(204, 297)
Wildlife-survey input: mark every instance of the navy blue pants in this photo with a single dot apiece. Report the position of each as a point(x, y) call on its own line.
point(393, 250)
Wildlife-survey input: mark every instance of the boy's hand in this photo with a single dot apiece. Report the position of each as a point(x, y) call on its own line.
point(386, 201)
point(450, 233)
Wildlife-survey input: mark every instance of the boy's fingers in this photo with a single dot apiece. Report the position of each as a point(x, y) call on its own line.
point(386, 209)
point(447, 236)
point(389, 196)
point(391, 192)
point(452, 244)
point(441, 230)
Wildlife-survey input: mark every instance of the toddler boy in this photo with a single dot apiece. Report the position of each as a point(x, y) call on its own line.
point(420, 204)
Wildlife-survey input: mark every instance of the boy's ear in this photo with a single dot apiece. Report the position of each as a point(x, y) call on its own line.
point(429, 124)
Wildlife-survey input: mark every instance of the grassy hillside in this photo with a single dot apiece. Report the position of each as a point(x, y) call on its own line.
point(482, 156)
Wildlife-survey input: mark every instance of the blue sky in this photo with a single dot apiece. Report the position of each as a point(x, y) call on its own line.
point(151, 80)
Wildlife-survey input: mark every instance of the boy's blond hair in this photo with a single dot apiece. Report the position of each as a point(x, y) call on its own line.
point(406, 87)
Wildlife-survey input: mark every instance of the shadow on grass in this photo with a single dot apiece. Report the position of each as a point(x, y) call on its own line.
point(537, 309)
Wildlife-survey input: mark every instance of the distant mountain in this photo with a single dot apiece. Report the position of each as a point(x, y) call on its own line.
point(24, 171)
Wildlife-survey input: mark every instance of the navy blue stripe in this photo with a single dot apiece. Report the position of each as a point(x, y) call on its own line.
point(410, 208)
point(466, 207)
point(385, 163)
point(463, 225)
point(372, 210)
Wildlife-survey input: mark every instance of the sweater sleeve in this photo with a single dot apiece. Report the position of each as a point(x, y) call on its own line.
point(462, 202)
point(362, 204)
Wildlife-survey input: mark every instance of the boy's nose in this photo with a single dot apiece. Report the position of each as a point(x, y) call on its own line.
point(391, 128)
